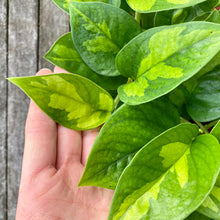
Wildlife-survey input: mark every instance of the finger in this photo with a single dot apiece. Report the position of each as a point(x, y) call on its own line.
point(69, 144)
point(88, 140)
point(59, 70)
point(40, 139)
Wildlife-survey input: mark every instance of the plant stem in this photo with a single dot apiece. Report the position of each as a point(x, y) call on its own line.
point(138, 17)
point(202, 127)
point(211, 124)
point(183, 120)
point(116, 101)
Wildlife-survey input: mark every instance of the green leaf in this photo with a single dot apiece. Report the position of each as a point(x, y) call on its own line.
point(71, 100)
point(179, 98)
point(197, 216)
point(146, 6)
point(214, 17)
point(169, 177)
point(147, 20)
point(211, 206)
point(211, 65)
point(163, 18)
point(128, 129)
point(162, 58)
point(216, 132)
point(65, 4)
point(209, 5)
point(64, 55)
point(99, 31)
point(198, 12)
point(204, 102)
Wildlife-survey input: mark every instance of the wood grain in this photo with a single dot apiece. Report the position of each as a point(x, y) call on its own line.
point(27, 30)
point(3, 106)
point(22, 58)
point(53, 23)
point(33, 26)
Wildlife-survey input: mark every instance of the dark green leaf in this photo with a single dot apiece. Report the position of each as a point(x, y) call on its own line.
point(169, 177)
point(162, 58)
point(65, 4)
point(64, 55)
point(204, 103)
point(179, 98)
point(99, 31)
point(163, 18)
point(214, 17)
point(129, 128)
point(146, 6)
point(71, 100)
point(197, 216)
point(208, 5)
point(211, 65)
point(147, 20)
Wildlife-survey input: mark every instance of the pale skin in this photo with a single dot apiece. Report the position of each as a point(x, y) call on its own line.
point(53, 162)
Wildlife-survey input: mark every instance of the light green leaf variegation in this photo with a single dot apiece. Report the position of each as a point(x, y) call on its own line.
point(99, 31)
point(145, 6)
point(65, 4)
point(64, 55)
point(161, 58)
point(129, 128)
point(204, 102)
point(169, 177)
point(71, 100)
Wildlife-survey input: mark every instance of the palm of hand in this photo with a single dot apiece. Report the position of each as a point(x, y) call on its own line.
point(54, 159)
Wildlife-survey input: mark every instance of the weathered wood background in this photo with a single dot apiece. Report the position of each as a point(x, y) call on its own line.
point(27, 30)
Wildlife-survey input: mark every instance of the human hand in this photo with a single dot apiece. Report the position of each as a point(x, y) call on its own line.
point(53, 162)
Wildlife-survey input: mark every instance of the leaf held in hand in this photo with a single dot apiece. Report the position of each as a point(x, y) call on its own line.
point(71, 100)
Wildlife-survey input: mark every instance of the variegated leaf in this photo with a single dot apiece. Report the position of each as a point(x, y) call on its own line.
point(99, 31)
point(161, 58)
point(126, 132)
point(64, 55)
point(169, 177)
point(71, 100)
point(65, 4)
point(145, 6)
point(211, 206)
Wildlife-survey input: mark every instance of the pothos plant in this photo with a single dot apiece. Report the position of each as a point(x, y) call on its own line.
point(150, 71)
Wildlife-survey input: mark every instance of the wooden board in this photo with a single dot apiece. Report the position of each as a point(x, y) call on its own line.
point(53, 23)
point(3, 107)
point(27, 42)
point(22, 56)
